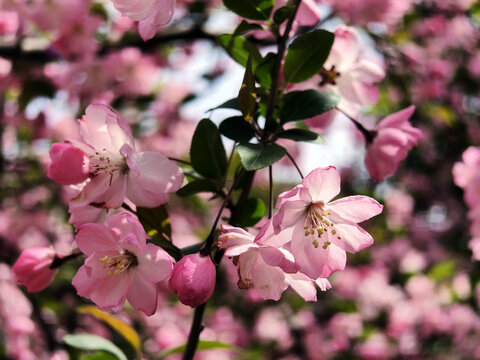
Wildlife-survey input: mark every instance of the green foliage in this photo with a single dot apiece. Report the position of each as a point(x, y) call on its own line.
point(250, 9)
point(300, 105)
point(298, 135)
point(198, 186)
point(283, 14)
point(245, 27)
point(306, 55)
point(237, 129)
point(119, 326)
point(207, 152)
point(247, 95)
point(443, 270)
point(240, 49)
point(252, 212)
point(93, 342)
point(202, 345)
point(157, 225)
point(258, 156)
point(264, 70)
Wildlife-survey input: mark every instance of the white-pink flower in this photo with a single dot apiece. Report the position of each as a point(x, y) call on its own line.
point(116, 169)
point(151, 14)
point(350, 71)
point(394, 137)
point(318, 231)
point(268, 269)
point(120, 265)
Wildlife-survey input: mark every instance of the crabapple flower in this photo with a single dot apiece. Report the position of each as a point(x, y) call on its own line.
point(151, 14)
point(352, 76)
point(394, 137)
point(120, 265)
point(32, 268)
point(257, 265)
point(318, 231)
point(69, 165)
point(116, 170)
point(193, 279)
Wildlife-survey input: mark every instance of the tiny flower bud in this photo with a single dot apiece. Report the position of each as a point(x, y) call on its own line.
point(193, 279)
point(32, 268)
point(69, 165)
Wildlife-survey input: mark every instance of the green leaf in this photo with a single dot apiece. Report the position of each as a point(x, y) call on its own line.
point(237, 129)
point(257, 156)
point(306, 55)
point(156, 218)
point(247, 95)
point(207, 153)
point(240, 49)
point(245, 27)
point(157, 225)
point(264, 70)
point(93, 342)
point(298, 135)
point(99, 355)
point(253, 210)
point(283, 13)
point(229, 104)
point(300, 105)
point(198, 186)
point(443, 270)
point(119, 326)
point(250, 9)
point(202, 345)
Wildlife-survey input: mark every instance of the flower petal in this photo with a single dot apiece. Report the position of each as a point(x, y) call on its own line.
point(323, 184)
point(95, 238)
point(356, 208)
point(158, 177)
point(303, 285)
point(353, 238)
point(154, 264)
point(143, 295)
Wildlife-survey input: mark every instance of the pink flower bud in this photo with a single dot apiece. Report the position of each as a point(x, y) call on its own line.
point(32, 268)
point(69, 165)
point(193, 279)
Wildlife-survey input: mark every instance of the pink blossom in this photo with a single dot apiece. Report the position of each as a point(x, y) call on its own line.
point(193, 279)
point(32, 268)
point(354, 75)
point(151, 14)
point(120, 265)
point(116, 169)
point(69, 165)
point(319, 231)
point(268, 269)
point(394, 137)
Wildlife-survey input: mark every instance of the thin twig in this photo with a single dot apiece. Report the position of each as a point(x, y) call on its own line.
point(295, 164)
point(282, 44)
point(270, 187)
point(369, 135)
point(180, 161)
point(205, 250)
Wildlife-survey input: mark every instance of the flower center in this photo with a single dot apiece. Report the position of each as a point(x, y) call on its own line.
point(105, 161)
point(329, 76)
point(317, 224)
point(118, 264)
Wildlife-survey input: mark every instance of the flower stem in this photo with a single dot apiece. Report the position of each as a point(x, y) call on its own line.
point(369, 135)
point(295, 164)
point(270, 191)
point(195, 330)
